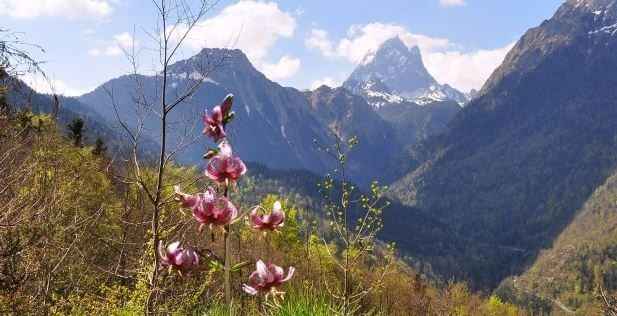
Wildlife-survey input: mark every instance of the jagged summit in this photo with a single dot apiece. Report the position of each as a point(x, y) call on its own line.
point(592, 4)
point(395, 73)
point(215, 62)
point(397, 66)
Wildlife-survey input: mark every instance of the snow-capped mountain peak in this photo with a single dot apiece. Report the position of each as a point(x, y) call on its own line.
point(395, 73)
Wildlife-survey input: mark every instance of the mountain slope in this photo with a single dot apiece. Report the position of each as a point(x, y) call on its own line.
point(521, 159)
point(413, 123)
point(21, 96)
point(348, 115)
point(421, 240)
point(581, 259)
point(276, 125)
point(264, 110)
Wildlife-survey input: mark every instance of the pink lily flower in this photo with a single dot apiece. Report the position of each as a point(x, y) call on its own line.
point(207, 208)
point(219, 211)
point(266, 278)
point(191, 201)
point(225, 166)
point(176, 257)
point(214, 123)
point(271, 221)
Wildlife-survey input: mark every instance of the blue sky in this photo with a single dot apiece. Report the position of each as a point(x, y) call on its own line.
point(296, 43)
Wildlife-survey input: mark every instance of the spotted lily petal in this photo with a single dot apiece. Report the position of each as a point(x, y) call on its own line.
point(176, 257)
point(224, 166)
point(266, 277)
point(290, 274)
point(270, 221)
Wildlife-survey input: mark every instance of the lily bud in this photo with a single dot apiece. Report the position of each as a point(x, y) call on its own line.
point(227, 104)
point(229, 118)
point(210, 153)
point(214, 123)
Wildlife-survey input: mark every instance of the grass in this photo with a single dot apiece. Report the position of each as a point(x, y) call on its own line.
point(297, 303)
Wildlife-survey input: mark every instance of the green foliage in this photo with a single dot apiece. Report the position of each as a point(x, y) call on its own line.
point(90, 230)
point(298, 302)
point(62, 212)
point(99, 147)
point(76, 130)
point(582, 260)
point(495, 307)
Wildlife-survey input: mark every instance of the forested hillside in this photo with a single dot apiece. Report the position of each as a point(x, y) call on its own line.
point(580, 264)
point(519, 162)
point(76, 241)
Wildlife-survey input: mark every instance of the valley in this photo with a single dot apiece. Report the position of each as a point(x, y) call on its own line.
point(509, 189)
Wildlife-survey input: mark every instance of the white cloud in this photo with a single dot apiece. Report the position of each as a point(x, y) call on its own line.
point(443, 59)
point(452, 3)
point(285, 68)
point(327, 81)
point(465, 71)
point(51, 85)
point(57, 8)
point(121, 42)
point(88, 32)
point(252, 26)
point(94, 52)
point(362, 39)
point(125, 40)
point(113, 50)
point(318, 39)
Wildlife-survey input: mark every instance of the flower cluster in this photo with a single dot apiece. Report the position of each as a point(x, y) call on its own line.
point(211, 209)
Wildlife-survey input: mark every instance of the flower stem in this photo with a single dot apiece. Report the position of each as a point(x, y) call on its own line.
point(227, 269)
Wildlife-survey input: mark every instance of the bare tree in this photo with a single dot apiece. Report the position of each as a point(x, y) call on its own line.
point(15, 58)
point(355, 220)
point(176, 20)
point(16, 61)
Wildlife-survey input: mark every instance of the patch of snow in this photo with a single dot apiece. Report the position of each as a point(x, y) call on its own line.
point(386, 97)
point(609, 29)
point(193, 76)
point(283, 132)
point(435, 93)
point(210, 80)
point(196, 76)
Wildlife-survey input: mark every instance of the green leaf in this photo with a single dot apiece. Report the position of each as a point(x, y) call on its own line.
point(239, 266)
